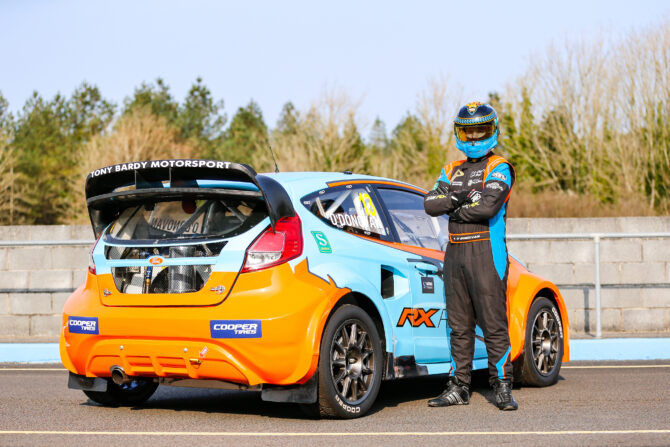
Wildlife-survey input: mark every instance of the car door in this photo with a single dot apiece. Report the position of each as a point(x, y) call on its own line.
point(412, 226)
point(425, 236)
point(352, 210)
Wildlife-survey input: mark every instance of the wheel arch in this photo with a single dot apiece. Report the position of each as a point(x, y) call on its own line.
point(365, 303)
point(530, 288)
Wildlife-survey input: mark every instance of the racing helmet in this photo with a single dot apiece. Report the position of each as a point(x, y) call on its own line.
point(476, 129)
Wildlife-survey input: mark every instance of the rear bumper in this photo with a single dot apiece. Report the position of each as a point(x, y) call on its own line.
point(290, 304)
point(170, 358)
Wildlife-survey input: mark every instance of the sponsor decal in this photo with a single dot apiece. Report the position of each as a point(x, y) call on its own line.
point(83, 325)
point(458, 173)
point(457, 183)
point(472, 107)
point(416, 317)
point(155, 260)
point(427, 285)
point(173, 216)
point(494, 185)
point(558, 320)
point(349, 408)
point(498, 175)
point(474, 182)
point(476, 197)
point(161, 164)
point(322, 242)
point(170, 224)
point(477, 173)
point(235, 328)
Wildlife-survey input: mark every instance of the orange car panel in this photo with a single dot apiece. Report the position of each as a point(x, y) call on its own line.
point(110, 296)
point(292, 305)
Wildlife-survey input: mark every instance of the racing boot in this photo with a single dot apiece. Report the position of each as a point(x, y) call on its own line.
point(457, 393)
point(503, 393)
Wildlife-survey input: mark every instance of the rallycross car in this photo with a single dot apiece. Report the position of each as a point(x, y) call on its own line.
point(310, 287)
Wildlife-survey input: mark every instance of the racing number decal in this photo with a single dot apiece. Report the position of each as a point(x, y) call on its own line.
point(416, 317)
point(366, 200)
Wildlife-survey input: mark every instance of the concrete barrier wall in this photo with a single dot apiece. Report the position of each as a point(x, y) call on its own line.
point(37, 316)
point(625, 263)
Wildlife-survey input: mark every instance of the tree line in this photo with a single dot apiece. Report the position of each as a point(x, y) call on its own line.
point(587, 127)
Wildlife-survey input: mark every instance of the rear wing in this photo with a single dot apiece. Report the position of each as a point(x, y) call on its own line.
point(112, 189)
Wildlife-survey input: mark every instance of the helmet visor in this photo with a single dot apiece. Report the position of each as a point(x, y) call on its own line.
point(476, 132)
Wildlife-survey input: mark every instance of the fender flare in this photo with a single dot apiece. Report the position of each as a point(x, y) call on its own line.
point(529, 287)
point(358, 285)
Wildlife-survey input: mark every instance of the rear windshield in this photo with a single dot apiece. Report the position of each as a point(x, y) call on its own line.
point(187, 219)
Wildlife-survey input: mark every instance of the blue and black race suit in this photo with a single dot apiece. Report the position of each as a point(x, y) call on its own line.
point(474, 194)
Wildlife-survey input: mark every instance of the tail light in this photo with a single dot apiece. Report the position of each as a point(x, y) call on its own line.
point(274, 248)
point(91, 263)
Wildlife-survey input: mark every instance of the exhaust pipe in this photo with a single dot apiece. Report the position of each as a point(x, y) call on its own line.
point(119, 376)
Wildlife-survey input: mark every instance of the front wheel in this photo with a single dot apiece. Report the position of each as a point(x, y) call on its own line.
point(350, 365)
point(133, 393)
point(543, 350)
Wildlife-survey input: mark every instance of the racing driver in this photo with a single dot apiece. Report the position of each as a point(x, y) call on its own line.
point(474, 193)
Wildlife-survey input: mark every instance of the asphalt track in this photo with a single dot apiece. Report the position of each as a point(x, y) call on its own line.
point(603, 403)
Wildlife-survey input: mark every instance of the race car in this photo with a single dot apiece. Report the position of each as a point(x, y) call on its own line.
point(310, 287)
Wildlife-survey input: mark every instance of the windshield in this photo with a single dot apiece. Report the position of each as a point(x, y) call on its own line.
point(187, 219)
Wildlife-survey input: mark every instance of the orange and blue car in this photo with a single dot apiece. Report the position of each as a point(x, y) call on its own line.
point(310, 287)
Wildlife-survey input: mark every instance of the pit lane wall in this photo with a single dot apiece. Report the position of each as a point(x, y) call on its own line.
point(625, 265)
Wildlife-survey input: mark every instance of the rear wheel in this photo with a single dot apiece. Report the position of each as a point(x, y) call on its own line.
point(543, 350)
point(350, 365)
point(133, 393)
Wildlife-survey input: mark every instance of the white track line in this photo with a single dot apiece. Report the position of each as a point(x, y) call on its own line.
point(338, 434)
point(33, 369)
point(613, 366)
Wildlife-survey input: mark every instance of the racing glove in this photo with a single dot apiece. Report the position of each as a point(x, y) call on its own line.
point(460, 200)
point(484, 206)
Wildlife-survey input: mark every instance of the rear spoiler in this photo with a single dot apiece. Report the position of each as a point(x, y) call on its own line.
point(145, 178)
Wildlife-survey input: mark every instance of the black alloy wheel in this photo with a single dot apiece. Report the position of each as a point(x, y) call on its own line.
point(352, 361)
point(543, 350)
point(350, 365)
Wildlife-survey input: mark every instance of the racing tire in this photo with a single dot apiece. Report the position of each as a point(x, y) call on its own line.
point(543, 350)
point(350, 366)
point(130, 394)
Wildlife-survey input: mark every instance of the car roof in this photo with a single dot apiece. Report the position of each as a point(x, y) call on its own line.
point(304, 182)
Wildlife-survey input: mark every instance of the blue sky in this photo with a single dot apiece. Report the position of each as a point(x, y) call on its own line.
point(381, 52)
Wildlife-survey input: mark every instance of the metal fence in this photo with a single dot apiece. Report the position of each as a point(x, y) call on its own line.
point(595, 237)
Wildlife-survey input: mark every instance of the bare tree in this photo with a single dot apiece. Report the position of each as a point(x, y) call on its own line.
point(138, 135)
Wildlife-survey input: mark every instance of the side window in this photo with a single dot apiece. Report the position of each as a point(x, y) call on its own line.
point(413, 225)
point(350, 208)
point(441, 225)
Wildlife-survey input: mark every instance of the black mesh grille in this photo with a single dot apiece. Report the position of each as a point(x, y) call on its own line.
point(162, 279)
point(172, 279)
point(133, 252)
